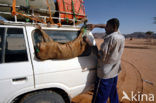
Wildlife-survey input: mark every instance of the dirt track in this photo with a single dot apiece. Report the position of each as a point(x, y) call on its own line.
point(138, 71)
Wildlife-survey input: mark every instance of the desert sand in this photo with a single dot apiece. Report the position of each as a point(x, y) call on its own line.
point(138, 73)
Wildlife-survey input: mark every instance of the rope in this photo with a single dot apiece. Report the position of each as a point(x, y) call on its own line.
point(80, 7)
point(14, 8)
point(84, 29)
point(84, 32)
point(66, 17)
point(73, 10)
point(27, 4)
point(36, 49)
point(50, 18)
point(32, 18)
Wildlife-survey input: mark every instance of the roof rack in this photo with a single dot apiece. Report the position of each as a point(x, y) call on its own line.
point(33, 14)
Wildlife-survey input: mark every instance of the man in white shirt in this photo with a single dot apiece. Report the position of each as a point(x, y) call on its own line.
point(109, 58)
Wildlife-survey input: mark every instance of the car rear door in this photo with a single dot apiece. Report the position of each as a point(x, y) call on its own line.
point(16, 74)
point(74, 75)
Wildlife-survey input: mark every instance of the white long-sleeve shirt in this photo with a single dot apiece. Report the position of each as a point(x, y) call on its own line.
point(110, 55)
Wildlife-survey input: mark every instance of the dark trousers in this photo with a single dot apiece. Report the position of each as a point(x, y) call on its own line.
point(104, 89)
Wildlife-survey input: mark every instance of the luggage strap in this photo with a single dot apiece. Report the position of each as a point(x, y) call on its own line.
point(81, 1)
point(27, 3)
point(74, 14)
point(66, 16)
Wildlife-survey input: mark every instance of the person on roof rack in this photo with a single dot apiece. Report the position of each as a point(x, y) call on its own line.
point(109, 58)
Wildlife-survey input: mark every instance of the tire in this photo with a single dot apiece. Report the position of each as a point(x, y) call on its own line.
point(42, 97)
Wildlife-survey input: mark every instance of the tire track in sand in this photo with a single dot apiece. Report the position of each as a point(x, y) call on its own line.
point(139, 84)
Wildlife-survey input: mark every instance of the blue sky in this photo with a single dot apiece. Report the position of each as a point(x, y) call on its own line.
point(134, 15)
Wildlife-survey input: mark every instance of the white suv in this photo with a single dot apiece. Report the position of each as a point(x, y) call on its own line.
point(26, 79)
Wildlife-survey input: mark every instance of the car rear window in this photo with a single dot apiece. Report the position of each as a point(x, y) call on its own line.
point(58, 36)
point(62, 36)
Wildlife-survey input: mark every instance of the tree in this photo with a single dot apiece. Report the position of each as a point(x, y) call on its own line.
point(149, 35)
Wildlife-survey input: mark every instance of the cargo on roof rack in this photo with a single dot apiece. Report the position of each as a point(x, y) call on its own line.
point(25, 5)
point(76, 7)
point(27, 14)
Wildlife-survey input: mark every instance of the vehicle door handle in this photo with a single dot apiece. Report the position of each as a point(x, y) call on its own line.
point(19, 79)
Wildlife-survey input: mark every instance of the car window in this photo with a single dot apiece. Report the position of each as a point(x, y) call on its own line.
point(13, 45)
point(60, 36)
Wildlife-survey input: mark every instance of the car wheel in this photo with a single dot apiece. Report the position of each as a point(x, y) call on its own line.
point(42, 97)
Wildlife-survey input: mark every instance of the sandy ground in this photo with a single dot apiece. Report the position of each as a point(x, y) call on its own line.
point(138, 72)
